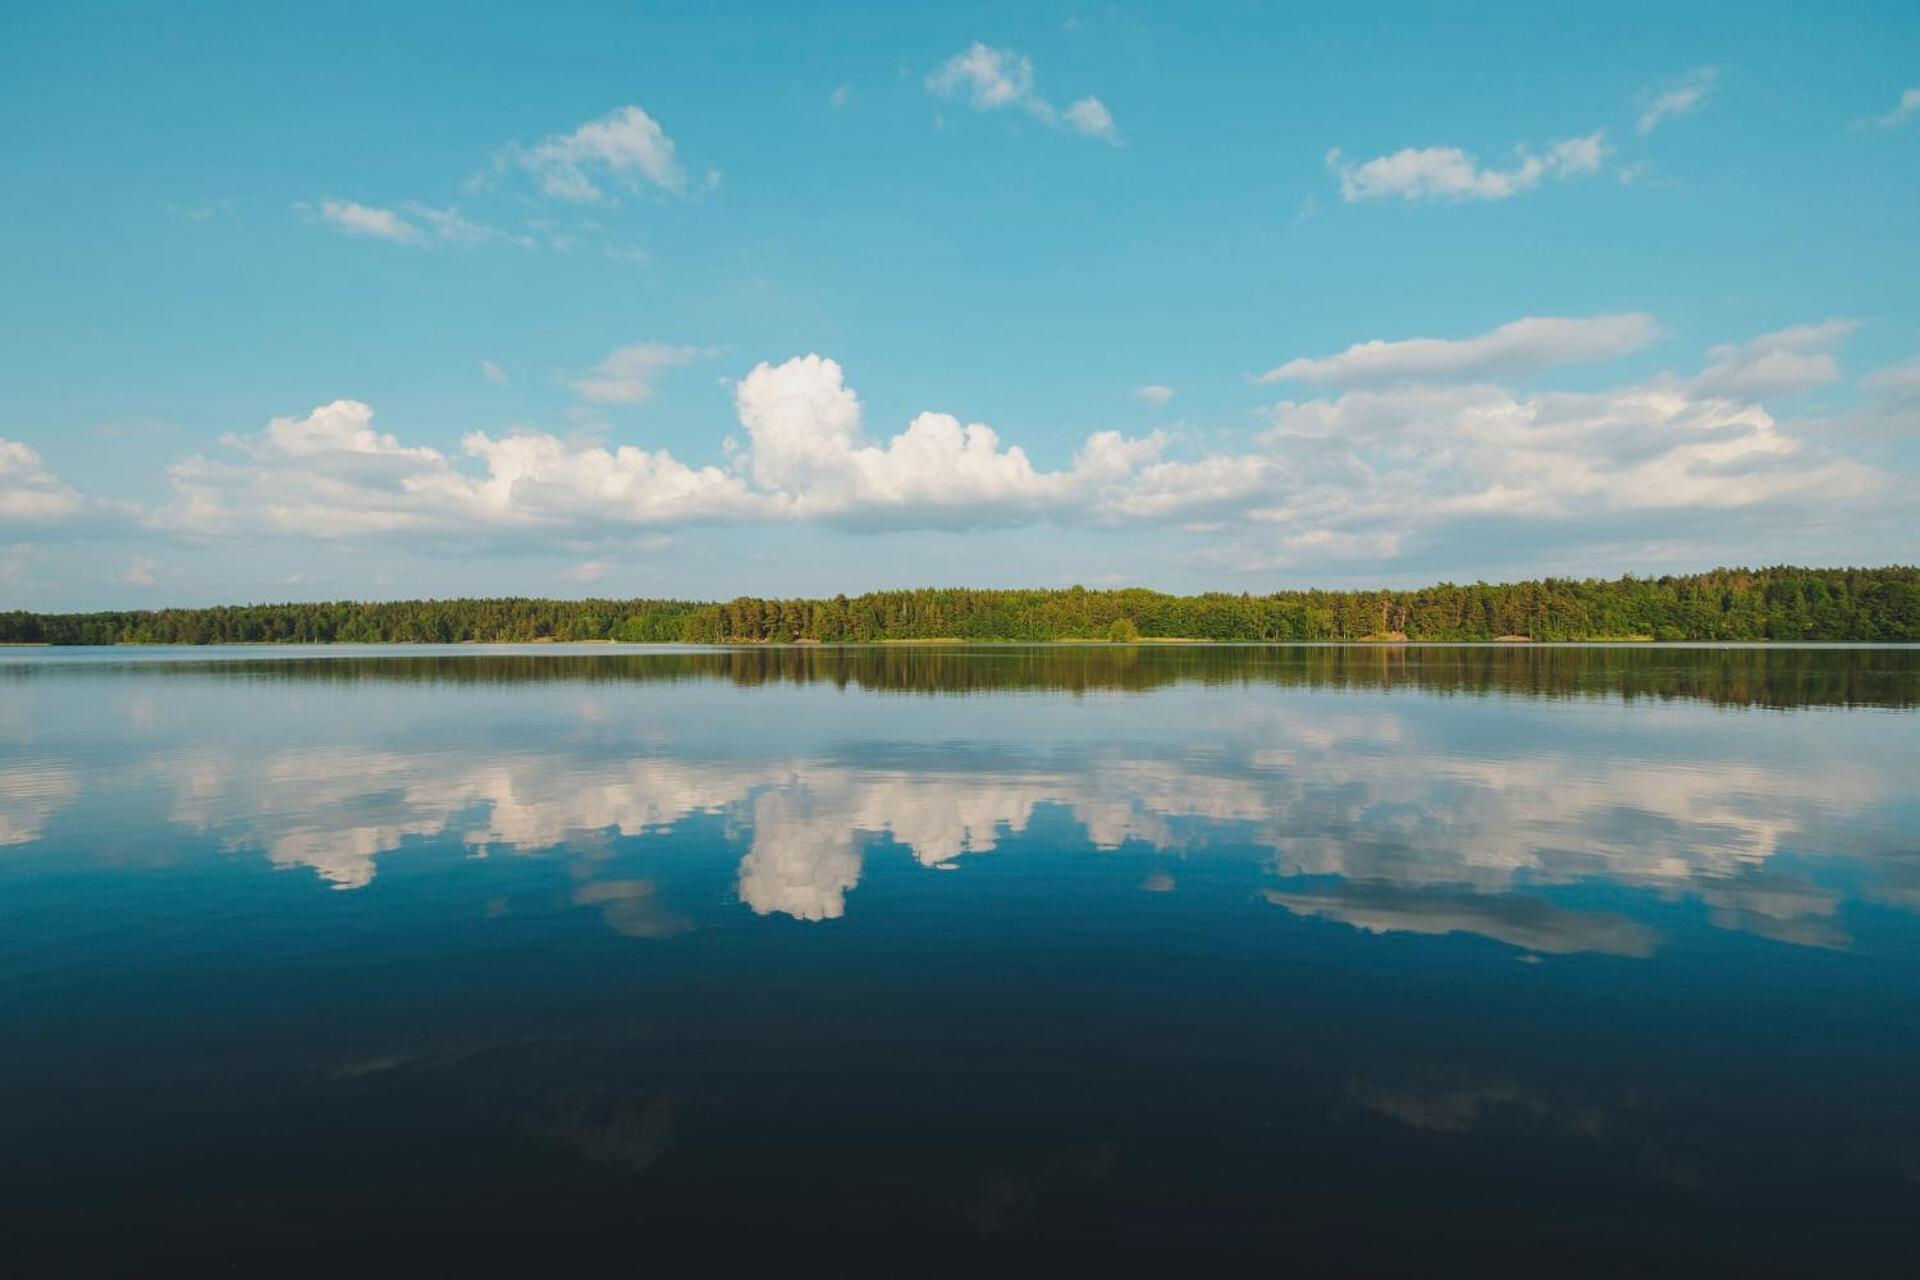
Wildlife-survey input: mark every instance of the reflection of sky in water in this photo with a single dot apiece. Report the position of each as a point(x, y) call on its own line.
point(1386, 812)
point(1094, 953)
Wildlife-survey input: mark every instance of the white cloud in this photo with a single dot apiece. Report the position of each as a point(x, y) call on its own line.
point(1155, 393)
point(589, 571)
point(142, 571)
point(450, 226)
point(1906, 109)
point(626, 146)
point(1782, 363)
point(626, 376)
point(1900, 381)
point(28, 491)
point(494, 373)
point(1680, 98)
point(1448, 173)
point(803, 422)
point(365, 220)
point(1374, 473)
point(1090, 117)
point(414, 224)
point(990, 79)
point(1520, 347)
point(842, 96)
point(331, 475)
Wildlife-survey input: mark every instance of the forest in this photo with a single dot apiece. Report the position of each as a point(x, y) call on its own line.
point(1779, 604)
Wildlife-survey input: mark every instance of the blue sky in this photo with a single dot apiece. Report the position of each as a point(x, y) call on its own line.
point(719, 299)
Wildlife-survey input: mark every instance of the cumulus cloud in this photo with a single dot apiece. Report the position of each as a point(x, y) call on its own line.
point(1448, 173)
point(1904, 110)
point(1409, 455)
point(627, 375)
point(626, 147)
point(804, 424)
point(989, 79)
point(1090, 118)
point(332, 475)
point(28, 491)
point(1679, 98)
point(1521, 347)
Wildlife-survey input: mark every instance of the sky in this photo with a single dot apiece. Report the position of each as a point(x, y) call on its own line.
point(702, 300)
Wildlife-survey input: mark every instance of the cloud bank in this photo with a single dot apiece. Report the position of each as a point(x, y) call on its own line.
point(1415, 446)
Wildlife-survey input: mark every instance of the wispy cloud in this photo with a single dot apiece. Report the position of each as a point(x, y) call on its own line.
point(990, 79)
point(365, 220)
point(494, 373)
point(1906, 109)
point(1448, 173)
point(415, 224)
point(28, 490)
point(589, 571)
point(203, 211)
point(1782, 363)
point(1520, 347)
point(1155, 393)
point(1678, 98)
point(628, 373)
point(625, 148)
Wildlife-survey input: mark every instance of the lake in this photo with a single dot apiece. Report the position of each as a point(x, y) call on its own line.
point(920, 960)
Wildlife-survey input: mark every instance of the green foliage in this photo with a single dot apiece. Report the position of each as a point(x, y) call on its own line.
point(1727, 604)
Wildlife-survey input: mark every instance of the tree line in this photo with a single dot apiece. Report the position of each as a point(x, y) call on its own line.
point(1782, 604)
point(1739, 676)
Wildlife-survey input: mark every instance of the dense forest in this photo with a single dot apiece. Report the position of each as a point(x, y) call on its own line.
point(1727, 604)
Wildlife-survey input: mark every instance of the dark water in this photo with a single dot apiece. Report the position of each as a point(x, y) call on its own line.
point(985, 961)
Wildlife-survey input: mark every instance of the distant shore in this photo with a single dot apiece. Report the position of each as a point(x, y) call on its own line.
point(1778, 604)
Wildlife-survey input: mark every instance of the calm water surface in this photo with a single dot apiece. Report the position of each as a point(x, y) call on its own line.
point(909, 961)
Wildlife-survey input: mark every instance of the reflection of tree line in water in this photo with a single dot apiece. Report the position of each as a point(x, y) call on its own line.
point(1758, 676)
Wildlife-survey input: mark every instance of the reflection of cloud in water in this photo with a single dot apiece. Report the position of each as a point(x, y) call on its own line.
point(1776, 907)
point(29, 796)
point(631, 908)
point(1532, 924)
point(1459, 1110)
point(607, 1127)
point(802, 861)
point(1359, 794)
